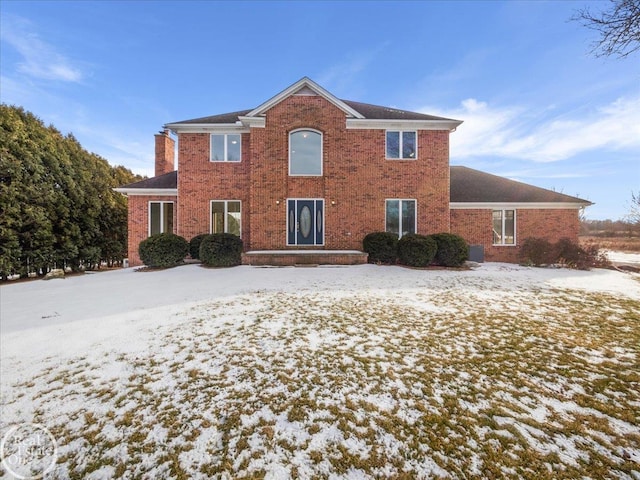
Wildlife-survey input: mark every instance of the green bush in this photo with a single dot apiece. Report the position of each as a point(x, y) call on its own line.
point(537, 251)
point(382, 247)
point(416, 250)
point(452, 250)
point(194, 246)
point(163, 250)
point(221, 250)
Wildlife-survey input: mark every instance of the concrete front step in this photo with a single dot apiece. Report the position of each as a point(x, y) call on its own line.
point(282, 258)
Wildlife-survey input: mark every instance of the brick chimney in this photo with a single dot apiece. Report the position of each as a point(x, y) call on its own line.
point(165, 153)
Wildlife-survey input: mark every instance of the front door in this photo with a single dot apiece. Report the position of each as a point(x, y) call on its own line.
point(305, 222)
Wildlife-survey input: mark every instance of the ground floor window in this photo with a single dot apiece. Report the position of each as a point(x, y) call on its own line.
point(160, 217)
point(504, 227)
point(226, 216)
point(400, 216)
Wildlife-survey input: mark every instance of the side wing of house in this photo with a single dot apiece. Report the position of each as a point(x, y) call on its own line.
point(152, 208)
point(498, 214)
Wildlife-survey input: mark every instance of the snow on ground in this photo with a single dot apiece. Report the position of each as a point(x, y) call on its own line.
point(329, 372)
point(629, 258)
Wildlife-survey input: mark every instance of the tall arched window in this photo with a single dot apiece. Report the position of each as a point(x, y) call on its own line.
point(305, 153)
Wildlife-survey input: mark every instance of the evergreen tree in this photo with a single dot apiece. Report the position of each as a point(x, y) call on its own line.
point(57, 204)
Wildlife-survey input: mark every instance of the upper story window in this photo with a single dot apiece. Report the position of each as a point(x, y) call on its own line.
point(504, 227)
point(226, 147)
point(305, 153)
point(402, 145)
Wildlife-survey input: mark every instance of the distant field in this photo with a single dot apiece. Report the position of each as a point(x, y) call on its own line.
point(617, 243)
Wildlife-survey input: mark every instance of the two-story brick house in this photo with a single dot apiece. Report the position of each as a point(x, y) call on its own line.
point(306, 171)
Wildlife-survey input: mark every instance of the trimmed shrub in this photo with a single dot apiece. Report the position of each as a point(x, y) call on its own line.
point(452, 250)
point(382, 247)
point(194, 246)
point(416, 250)
point(163, 250)
point(221, 250)
point(537, 251)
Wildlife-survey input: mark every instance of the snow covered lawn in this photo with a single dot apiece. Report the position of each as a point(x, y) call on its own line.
point(338, 372)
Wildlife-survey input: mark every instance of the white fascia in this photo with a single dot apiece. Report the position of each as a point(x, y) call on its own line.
point(147, 191)
point(382, 124)
point(253, 122)
point(236, 127)
point(516, 205)
point(305, 82)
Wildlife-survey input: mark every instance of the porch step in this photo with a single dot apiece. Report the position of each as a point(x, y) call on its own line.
point(283, 258)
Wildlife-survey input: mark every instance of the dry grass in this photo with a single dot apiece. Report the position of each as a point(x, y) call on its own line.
point(621, 244)
point(457, 382)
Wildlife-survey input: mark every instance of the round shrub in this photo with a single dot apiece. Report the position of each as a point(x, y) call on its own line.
point(194, 246)
point(452, 250)
point(416, 250)
point(537, 251)
point(221, 250)
point(163, 250)
point(382, 247)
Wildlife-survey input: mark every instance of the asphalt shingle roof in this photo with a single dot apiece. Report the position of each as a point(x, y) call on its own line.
point(371, 112)
point(467, 186)
point(470, 186)
point(168, 180)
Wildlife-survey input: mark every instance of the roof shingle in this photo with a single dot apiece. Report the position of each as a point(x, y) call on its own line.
point(166, 181)
point(370, 112)
point(471, 186)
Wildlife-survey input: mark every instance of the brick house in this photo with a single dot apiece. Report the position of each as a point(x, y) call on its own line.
point(307, 175)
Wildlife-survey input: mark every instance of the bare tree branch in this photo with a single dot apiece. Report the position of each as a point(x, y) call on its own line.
point(619, 28)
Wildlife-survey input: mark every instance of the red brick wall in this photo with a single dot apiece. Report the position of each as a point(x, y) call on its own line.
point(201, 181)
point(165, 153)
point(138, 206)
point(356, 177)
point(475, 226)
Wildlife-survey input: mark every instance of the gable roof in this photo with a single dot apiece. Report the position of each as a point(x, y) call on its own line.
point(357, 114)
point(305, 86)
point(473, 187)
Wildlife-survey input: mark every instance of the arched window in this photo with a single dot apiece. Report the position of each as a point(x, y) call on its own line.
point(305, 153)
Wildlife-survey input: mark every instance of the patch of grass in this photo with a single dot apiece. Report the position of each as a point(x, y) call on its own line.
point(528, 383)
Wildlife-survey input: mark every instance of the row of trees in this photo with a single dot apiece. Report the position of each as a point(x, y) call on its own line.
point(57, 206)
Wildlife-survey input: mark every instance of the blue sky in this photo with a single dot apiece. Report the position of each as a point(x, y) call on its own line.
point(537, 106)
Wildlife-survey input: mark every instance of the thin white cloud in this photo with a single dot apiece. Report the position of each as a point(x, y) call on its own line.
point(40, 59)
point(341, 76)
point(531, 133)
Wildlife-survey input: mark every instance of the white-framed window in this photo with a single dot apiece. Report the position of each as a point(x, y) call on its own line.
point(226, 216)
point(226, 147)
point(401, 145)
point(160, 217)
point(305, 153)
point(504, 227)
point(400, 216)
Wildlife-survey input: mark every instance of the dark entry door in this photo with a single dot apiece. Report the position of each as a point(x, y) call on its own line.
point(305, 222)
